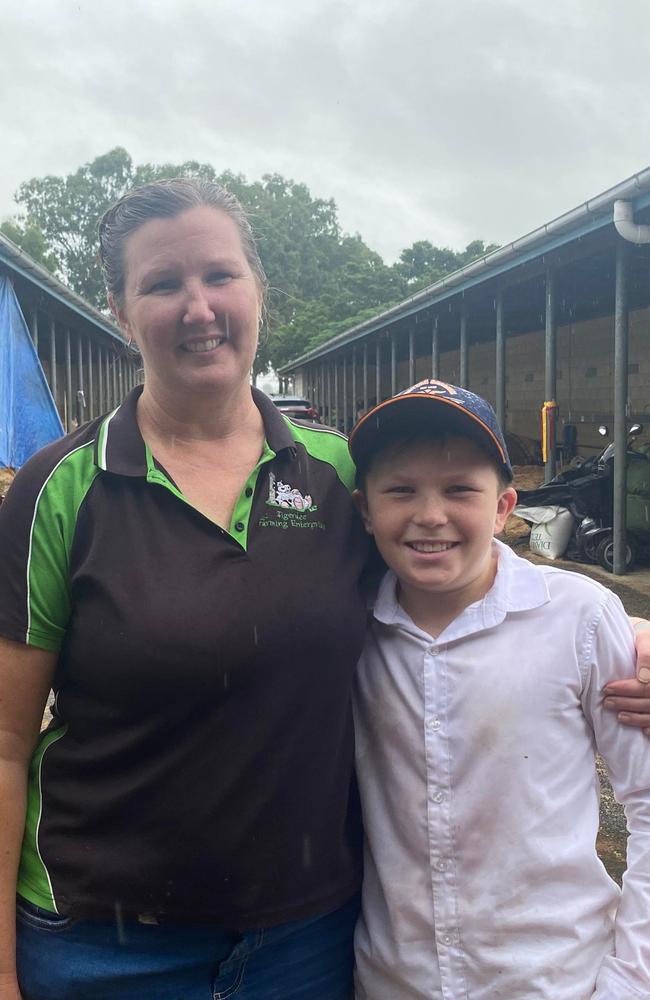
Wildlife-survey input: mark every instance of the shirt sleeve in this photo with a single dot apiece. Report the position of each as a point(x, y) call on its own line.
point(34, 545)
point(610, 655)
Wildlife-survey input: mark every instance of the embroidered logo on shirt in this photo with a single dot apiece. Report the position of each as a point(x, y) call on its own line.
point(290, 507)
point(283, 495)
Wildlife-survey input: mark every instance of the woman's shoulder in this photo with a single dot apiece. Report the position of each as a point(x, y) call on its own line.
point(72, 454)
point(326, 445)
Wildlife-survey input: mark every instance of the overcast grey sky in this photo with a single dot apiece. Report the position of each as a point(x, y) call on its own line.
point(424, 120)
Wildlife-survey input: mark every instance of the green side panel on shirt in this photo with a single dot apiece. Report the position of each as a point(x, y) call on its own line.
point(327, 446)
point(53, 526)
point(33, 877)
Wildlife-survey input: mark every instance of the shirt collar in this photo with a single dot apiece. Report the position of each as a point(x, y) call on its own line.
point(119, 446)
point(519, 585)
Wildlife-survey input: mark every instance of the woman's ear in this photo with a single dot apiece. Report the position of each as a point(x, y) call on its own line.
point(359, 498)
point(120, 317)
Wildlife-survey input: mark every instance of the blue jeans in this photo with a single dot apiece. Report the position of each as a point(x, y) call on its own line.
point(63, 959)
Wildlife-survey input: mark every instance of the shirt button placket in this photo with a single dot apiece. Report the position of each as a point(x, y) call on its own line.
point(439, 818)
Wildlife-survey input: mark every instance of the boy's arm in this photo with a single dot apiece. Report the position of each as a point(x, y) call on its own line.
point(626, 973)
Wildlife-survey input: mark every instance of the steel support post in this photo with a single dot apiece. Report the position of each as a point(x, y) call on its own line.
point(116, 396)
point(79, 410)
point(107, 378)
point(377, 371)
point(435, 349)
point(53, 379)
point(393, 363)
point(365, 375)
point(91, 379)
point(354, 386)
point(336, 395)
point(550, 378)
point(620, 403)
point(411, 355)
point(345, 395)
point(500, 362)
point(462, 347)
point(69, 407)
point(329, 393)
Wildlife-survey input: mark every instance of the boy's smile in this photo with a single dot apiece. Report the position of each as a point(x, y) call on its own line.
point(433, 508)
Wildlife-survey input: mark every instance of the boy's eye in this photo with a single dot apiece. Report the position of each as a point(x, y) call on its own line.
point(461, 488)
point(399, 489)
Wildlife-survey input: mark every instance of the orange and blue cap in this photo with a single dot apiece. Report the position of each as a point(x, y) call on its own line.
point(435, 404)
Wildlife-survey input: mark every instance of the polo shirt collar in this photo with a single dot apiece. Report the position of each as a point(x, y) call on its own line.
point(519, 585)
point(119, 446)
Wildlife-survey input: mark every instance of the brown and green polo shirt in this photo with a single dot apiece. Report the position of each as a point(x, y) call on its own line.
point(199, 763)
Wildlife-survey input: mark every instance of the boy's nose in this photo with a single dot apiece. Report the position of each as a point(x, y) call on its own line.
point(431, 512)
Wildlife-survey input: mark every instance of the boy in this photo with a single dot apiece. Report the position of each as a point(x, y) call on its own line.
point(478, 714)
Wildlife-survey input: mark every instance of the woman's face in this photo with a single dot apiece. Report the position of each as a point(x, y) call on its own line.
point(191, 302)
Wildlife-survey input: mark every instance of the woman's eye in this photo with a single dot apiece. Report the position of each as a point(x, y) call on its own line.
point(218, 278)
point(164, 285)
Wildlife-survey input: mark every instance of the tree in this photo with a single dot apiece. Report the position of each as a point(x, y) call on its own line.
point(321, 279)
point(29, 238)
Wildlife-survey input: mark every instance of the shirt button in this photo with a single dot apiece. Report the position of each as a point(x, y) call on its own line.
point(239, 526)
point(249, 491)
point(433, 650)
point(441, 866)
point(447, 939)
point(434, 724)
point(438, 797)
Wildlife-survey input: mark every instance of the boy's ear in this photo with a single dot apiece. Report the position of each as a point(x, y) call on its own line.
point(505, 505)
point(359, 498)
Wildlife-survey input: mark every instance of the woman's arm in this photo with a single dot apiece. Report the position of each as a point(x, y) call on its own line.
point(631, 698)
point(25, 679)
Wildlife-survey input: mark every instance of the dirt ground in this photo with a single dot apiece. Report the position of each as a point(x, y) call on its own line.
point(6, 478)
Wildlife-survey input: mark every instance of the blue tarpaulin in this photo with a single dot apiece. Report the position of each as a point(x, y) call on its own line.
point(28, 416)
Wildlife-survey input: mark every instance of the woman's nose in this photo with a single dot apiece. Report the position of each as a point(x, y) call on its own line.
point(197, 306)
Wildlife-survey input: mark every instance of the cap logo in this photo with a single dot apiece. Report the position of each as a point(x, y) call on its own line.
point(430, 387)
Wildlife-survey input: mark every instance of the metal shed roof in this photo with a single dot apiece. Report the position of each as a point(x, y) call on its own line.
point(18, 261)
point(591, 215)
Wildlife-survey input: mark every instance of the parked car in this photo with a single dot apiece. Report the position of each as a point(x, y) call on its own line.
point(296, 408)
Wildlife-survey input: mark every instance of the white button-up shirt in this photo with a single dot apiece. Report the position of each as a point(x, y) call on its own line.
point(475, 758)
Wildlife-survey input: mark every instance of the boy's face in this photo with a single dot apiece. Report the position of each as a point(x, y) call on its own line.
point(433, 508)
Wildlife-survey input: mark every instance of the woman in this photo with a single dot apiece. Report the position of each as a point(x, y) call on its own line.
point(192, 824)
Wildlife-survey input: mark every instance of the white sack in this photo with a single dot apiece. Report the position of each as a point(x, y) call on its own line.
point(551, 529)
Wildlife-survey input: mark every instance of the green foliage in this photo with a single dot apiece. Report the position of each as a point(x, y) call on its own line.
point(322, 280)
point(29, 238)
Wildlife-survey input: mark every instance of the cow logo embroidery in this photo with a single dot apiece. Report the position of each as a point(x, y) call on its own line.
point(283, 495)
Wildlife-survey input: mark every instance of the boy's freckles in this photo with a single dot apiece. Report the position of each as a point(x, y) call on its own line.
point(433, 508)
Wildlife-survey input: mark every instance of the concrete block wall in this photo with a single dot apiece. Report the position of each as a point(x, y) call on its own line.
point(585, 384)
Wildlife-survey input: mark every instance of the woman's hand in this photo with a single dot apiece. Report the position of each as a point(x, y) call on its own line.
point(631, 698)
